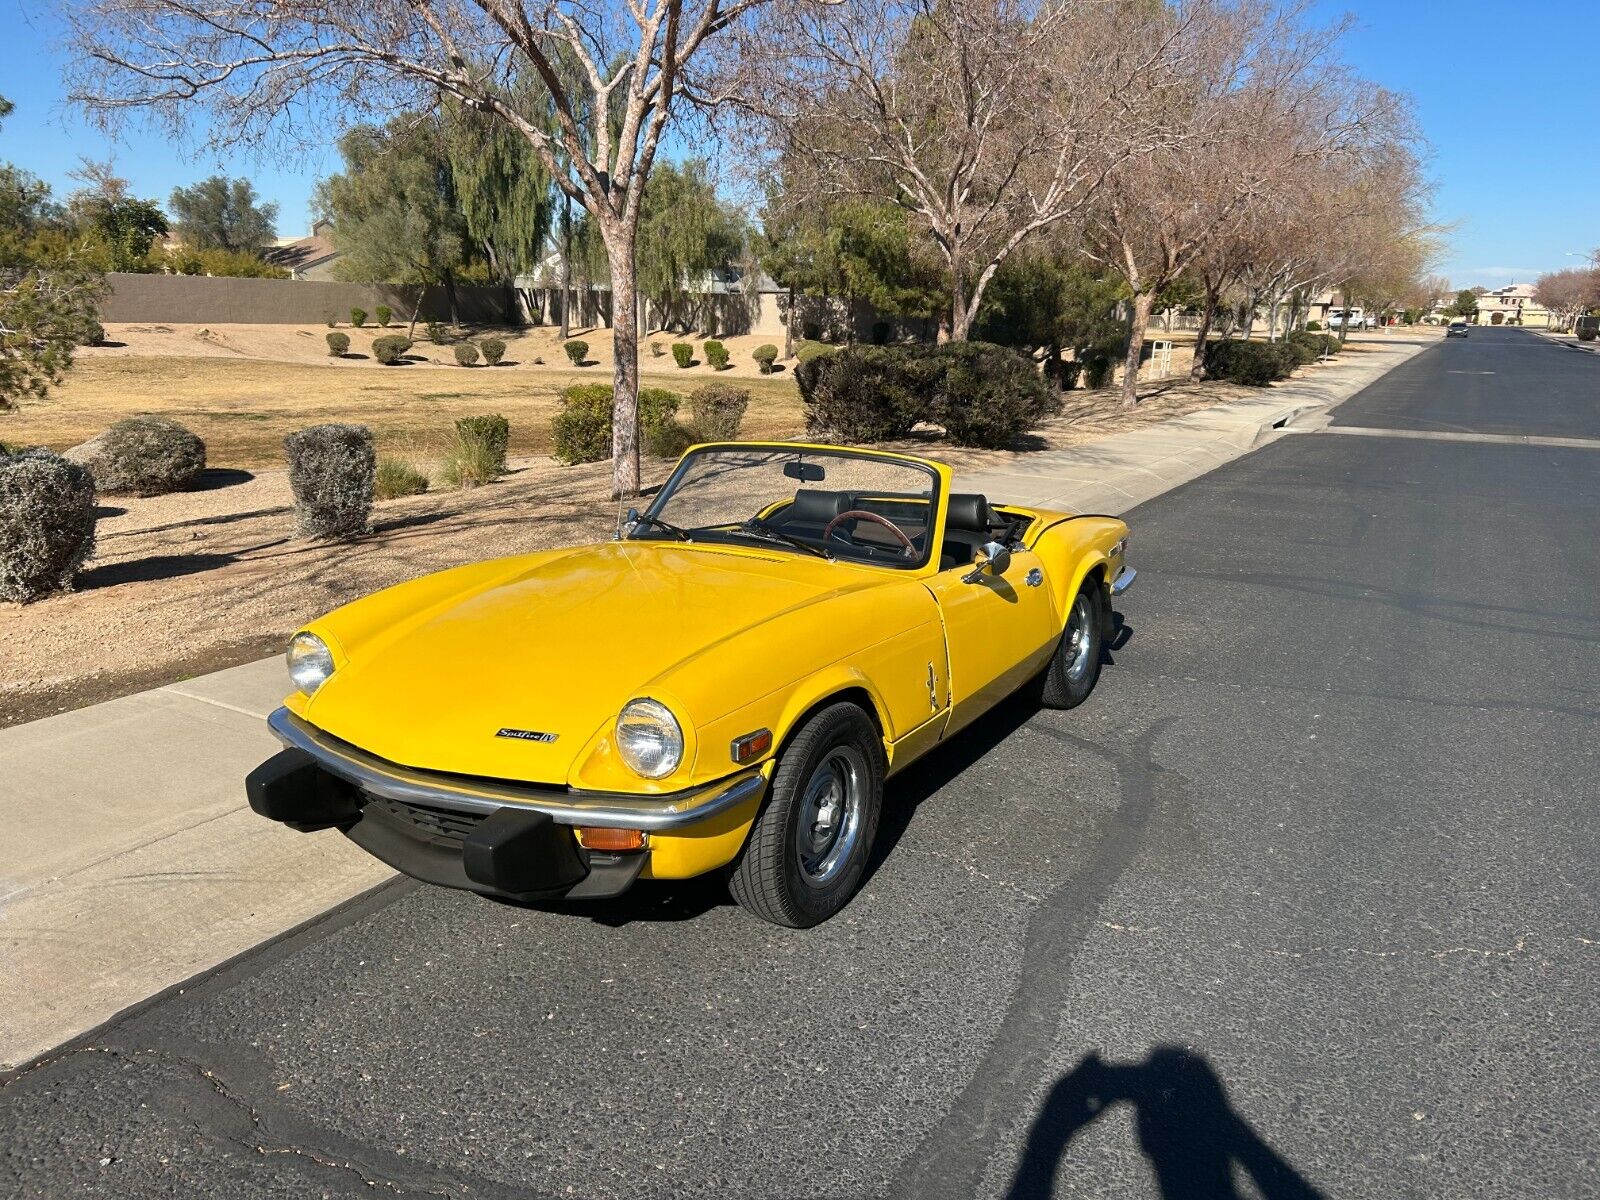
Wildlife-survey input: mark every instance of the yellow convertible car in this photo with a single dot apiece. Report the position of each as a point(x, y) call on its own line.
point(725, 685)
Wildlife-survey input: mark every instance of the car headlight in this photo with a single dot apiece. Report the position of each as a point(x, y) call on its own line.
point(310, 662)
point(649, 738)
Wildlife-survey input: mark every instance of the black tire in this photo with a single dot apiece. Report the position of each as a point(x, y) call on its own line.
point(795, 877)
point(1075, 666)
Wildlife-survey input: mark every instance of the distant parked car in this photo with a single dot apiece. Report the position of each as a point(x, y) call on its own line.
point(1458, 328)
point(1356, 318)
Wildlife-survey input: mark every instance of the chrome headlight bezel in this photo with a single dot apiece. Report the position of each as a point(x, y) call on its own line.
point(649, 738)
point(309, 661)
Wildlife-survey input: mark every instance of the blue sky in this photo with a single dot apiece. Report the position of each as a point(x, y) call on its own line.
point(1504, 94)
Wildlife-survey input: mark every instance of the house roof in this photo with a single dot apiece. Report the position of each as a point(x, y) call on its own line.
point(304, 253)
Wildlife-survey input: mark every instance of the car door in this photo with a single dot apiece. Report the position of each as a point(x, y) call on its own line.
point(998, 630)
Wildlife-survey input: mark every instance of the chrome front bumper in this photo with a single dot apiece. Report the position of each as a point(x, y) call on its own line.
point(1124, 580)
point(378, 777)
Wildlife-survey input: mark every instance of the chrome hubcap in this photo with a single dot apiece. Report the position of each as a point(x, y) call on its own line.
point(830, 815)
point(1080, 640)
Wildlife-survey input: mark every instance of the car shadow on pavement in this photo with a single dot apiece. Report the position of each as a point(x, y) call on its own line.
point(1196, 1142)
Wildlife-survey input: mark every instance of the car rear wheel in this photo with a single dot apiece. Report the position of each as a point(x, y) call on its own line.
point(1075, 667)
point(808, 848)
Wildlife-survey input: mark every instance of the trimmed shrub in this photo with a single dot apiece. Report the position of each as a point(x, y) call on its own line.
point(390, 349)
point(1308, 347)
point(332, 471)
point(142, 456)
point(91, 332)
point(989, 395)
point(765, 356)
point(1254, 364)
point(338, 344)
point(657, 349)
point(437, 334)
point(1313, 326)
point(1067, 372)
point(868, 393)
point(384, 313)
point(46, 524)
point(1098, 368)
point(466, 355)
point(358, 317)
point(493, 432)
point(716, 355)
point(576, 350)
point(494, 349)
point(396, 477)
point(581, 431)
point(682, 354)
point(716, 411)
point(806, 351)
point(333, 322)
point(982, 394)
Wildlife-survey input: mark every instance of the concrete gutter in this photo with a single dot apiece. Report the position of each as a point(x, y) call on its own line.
point(133, 863)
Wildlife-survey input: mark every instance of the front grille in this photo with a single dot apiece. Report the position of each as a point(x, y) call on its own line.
point(447, 824)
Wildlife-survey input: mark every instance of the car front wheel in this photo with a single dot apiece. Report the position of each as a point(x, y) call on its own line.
point(1075, 667)
point(809, 846)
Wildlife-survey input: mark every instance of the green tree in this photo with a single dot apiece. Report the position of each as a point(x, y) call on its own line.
point(506, 195)
point(685, 231)
point(883, 265)
point(220, 213)
point(1465, 305)
point(801, 252)
point(105, 210)
point(394, 209)
point(1041, 304)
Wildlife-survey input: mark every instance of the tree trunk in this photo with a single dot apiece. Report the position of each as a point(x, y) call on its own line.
point(1208, 314)
point(625, 378)
point(566, 268)
point(411, 330)
point(450, 295)
point(960, 319)
point(788, 328)
point(1143, 303)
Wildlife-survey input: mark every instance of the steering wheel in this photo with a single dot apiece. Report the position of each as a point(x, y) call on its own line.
point(858, 514)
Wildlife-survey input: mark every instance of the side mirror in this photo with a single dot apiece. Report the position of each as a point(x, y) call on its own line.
point(992, 560)
point(628, 521)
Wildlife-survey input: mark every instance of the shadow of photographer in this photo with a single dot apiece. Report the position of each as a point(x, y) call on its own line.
point(1194, 1139)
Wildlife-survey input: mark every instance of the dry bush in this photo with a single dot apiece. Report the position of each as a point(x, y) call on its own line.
point(331, 470)
point(142, 456)
point(46, 523)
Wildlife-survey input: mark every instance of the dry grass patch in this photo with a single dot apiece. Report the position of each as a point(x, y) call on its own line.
point(242, 408)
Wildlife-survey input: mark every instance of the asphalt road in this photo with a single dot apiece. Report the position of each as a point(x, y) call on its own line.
point(1306, 895)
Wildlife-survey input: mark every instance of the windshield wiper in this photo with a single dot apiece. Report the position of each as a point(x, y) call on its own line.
point(759, 528)
point(646, 519)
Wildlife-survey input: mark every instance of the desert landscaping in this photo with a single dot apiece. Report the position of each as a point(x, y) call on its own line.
point(204, 578)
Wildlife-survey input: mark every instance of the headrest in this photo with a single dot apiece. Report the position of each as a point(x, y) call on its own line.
point(814, 504)
point(968, 511)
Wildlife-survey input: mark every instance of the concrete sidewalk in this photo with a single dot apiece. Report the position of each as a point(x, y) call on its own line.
point(133, 863)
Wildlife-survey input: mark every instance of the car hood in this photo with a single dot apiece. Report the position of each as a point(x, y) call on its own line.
point(556, 648)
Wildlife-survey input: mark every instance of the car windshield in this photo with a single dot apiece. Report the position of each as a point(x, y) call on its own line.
point(829, 503)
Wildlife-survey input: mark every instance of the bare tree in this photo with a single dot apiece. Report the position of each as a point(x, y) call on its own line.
point(263, 68)
point(1569, 293)
point(1262, 95)
point(988, 120)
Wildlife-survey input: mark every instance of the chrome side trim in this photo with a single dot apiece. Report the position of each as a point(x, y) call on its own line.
point(380, 778)
point(1123, 581)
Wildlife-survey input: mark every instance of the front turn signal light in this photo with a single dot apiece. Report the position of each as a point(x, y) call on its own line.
point(609, 839)
point(751, 745)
